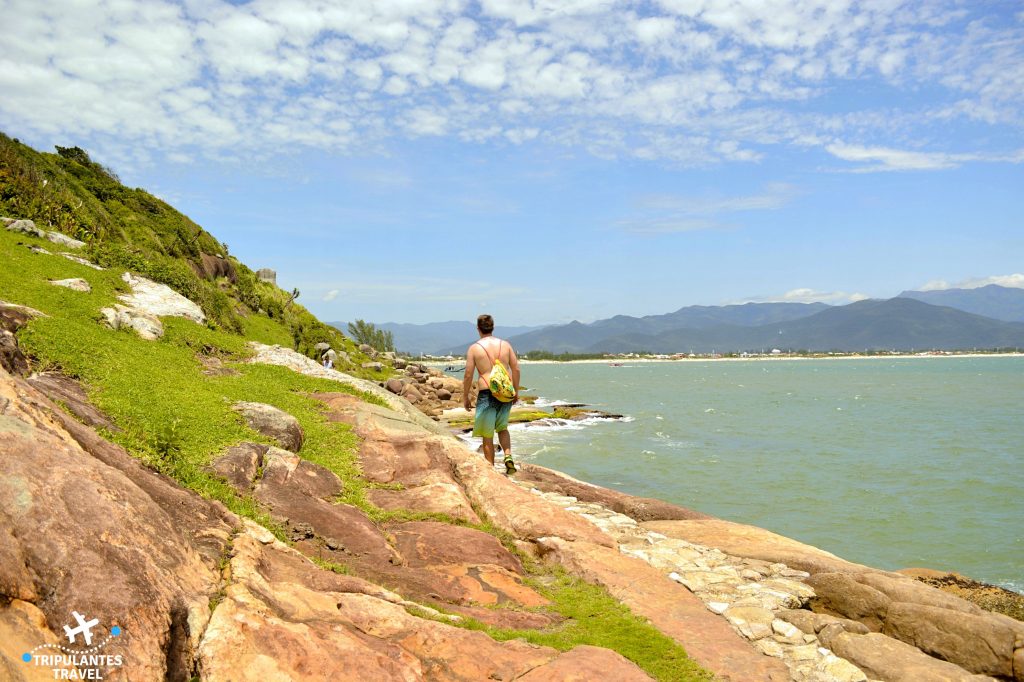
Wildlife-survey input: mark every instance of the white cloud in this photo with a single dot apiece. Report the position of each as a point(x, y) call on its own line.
point(807, 295)
point(331, 295)
point(687, 81)
point(1015, 280)
point(886, 159)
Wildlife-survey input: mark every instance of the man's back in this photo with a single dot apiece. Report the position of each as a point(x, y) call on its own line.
point(482, 354)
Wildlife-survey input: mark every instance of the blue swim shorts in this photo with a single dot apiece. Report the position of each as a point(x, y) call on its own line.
point(491, 415)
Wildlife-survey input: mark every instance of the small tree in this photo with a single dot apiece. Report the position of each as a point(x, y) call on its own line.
point(366, 332)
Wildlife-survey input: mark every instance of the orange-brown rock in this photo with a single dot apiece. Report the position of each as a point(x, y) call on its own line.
point(89, 530)
point(442, 498)
point(515, 509)
point(272, 625)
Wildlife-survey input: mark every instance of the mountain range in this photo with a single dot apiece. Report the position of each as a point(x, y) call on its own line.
point(986, 317)
point(435, 337)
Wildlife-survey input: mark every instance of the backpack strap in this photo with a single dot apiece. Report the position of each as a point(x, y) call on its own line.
point(498, 357)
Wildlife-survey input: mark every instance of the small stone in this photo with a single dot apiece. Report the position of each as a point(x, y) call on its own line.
point(749, 574)
point(752, 622)
point(718, 607)
point(787, 632)
point(840, 669)
point(807, 652)
point(75, 284)
point(769, 647)
point(82, 261)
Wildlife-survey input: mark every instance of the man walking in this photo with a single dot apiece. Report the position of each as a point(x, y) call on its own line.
point(491, 413)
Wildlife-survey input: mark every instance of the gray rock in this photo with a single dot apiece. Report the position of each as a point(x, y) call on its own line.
point(145, 325)
point(267, 275)
point(399, 363)
point(75, 283)
point(64, 240)
point(82, 261)
point(272, 422)
point(375, 366)
point(25, 227)
point(321, 347)
point(159, 299)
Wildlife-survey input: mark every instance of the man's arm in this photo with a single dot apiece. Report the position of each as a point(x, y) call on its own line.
point(513, 364)
point(467, 379)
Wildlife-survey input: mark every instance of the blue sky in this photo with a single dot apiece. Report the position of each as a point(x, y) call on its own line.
point(546, 161)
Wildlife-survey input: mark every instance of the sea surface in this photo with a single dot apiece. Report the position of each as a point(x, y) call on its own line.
point(894, 462)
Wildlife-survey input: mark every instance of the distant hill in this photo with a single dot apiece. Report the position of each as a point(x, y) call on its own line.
point(897, 323)
point(1000, 303)
point(437, 338)
point(577, 337)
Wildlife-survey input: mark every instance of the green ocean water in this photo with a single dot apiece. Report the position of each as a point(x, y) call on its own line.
point(892, 462)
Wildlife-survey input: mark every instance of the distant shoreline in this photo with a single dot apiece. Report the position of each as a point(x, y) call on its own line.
point(758, 358)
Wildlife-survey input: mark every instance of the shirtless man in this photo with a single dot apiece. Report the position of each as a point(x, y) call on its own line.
point(491, 413)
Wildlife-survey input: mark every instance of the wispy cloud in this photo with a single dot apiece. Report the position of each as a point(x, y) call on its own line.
point(331, 295)
point(875, 159)
point(1015, 280)
point(807, 295)
point(667, 213)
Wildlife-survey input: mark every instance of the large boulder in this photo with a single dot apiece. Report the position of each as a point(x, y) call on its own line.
point(884, 658)
point(267, 275)
point(157, 300)
point(272, 422)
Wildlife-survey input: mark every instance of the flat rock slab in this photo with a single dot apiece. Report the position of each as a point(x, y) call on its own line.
point(70, 393)
point(884, 658)
point(272, 422)
point(443, 498)
point(671, 608)
point(637, 508)
point(751, 542)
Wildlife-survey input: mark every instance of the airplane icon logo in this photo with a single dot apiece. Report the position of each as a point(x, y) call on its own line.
point(84, 628)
